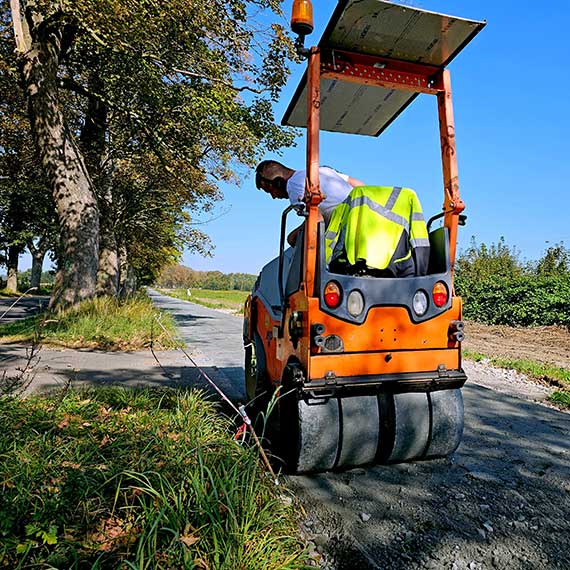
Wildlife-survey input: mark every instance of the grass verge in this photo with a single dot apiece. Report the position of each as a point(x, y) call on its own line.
point(227, 300)
point(105, 323)
point(552, 375)
point(147, 479)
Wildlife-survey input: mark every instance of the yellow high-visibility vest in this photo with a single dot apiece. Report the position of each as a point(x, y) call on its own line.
point(380, 228)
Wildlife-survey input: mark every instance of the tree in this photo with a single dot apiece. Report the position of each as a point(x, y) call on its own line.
point(555, 262)
point(111, 84)
point(480, 262)
point(27, 215)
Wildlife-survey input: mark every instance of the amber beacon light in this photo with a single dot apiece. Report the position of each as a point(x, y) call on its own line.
point(302, 17)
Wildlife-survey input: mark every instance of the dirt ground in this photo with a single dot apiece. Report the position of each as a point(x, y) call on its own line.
point(549, 345)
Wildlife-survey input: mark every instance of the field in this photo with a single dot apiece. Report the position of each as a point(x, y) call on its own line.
point(230, 301)
point(540, 352)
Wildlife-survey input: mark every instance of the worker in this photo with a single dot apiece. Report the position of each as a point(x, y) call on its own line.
point(281, 181)
point(370, 230)
point(378, 231)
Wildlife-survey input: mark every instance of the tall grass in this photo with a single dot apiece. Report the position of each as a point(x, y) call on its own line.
point(105, 323)
point(145, 480)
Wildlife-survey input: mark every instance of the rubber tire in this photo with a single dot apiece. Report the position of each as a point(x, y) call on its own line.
point(256, 381)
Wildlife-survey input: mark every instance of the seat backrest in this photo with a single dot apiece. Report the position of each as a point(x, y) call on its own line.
point(439, 251)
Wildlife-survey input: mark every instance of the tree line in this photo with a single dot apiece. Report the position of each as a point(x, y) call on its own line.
point(179, 276)
point(118, 121)
point(499, 288)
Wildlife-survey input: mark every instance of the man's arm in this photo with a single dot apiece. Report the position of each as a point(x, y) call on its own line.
point(292, 237)
point(354, 182)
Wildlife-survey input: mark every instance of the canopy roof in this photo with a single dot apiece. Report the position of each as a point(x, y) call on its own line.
point(382, 29)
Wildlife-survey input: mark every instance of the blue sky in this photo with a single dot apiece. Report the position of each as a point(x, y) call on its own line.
point(511, 90)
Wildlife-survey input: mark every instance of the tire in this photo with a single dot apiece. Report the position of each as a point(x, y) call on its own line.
point(256, 379)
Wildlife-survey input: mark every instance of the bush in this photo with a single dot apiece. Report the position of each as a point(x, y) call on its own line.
point(526, 300)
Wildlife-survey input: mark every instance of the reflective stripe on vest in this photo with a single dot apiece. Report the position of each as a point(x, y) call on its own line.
point(375, 241)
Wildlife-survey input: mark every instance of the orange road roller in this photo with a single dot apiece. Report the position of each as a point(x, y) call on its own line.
point(365, 368)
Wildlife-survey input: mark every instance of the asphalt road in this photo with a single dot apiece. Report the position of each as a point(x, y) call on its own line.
point(502, 501)
point(25, 307)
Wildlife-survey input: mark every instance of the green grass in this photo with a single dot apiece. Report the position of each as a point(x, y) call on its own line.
point(136, 479)
point(561, 398)
point(552, 375)
point(229, 300)
point(4, 293)
point(104, 323)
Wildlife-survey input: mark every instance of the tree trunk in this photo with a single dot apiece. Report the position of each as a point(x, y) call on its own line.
point(128, 280)
point(108, 272)
point(12, 265)
point(93, 145)
point(71, 185)
point(37, 266)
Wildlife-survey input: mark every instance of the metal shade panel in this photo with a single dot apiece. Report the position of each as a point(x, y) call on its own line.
point(382, 29)
point(376, 27)
point(352, 108)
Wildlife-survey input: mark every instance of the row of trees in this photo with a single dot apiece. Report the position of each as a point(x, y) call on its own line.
point(498, 288)
point(118, 120)
point(179, 276)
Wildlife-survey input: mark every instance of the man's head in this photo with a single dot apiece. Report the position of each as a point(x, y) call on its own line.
point(271, 176)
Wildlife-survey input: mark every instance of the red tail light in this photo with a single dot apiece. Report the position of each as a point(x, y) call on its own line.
point(439, 294)
point(333, 295)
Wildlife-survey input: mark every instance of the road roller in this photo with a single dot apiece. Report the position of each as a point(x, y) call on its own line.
point(348, 369)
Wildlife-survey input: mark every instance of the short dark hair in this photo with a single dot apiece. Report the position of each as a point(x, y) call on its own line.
point(268, 170)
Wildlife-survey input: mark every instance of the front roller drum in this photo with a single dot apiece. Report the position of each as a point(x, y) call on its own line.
point(336, 433)
point(426, 425)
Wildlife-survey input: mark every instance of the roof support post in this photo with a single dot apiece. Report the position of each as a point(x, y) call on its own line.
point(313, 195)
point(452, 203)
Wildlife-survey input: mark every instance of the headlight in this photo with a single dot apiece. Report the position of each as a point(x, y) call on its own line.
point(355, 303)
point(420, 303)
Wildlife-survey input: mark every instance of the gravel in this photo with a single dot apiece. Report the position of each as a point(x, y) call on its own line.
point(501, 502)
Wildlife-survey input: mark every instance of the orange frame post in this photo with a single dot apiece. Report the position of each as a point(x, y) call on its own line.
point(391, 74)
point(313, 195)
point(452, 204)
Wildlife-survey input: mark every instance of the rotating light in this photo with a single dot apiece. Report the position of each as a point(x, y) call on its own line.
point(302, 17)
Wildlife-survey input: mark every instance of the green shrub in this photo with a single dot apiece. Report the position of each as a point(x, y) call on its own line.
point(525, 300)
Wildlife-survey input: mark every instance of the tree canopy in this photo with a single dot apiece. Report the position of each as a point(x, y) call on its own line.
point(139, 110)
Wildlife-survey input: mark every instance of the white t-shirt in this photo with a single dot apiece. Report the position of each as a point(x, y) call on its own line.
point(334, 186)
